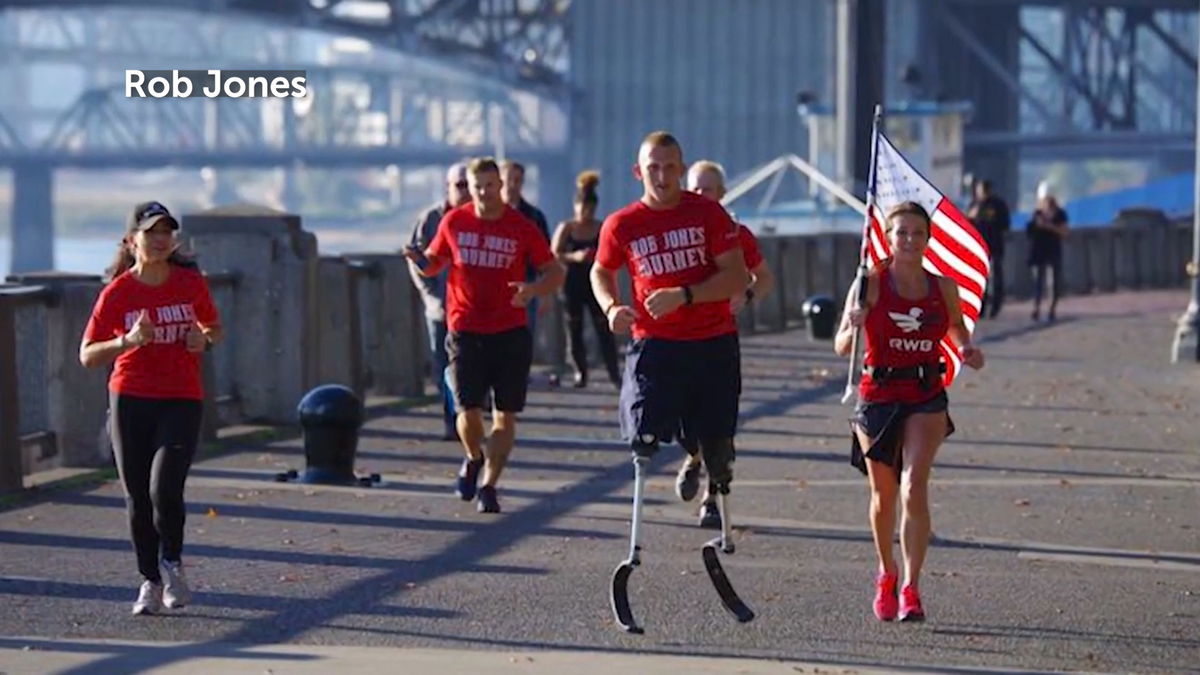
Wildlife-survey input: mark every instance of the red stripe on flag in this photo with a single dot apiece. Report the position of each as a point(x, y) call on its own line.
point(875, 238)
point(966, 255)
point(943, 268)
point(944, 347)
point(947, 207)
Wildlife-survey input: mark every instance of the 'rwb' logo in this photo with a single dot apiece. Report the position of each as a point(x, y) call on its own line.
point(909, 323)
point(910, 345)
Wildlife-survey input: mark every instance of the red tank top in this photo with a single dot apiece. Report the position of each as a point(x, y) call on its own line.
point(903, 333)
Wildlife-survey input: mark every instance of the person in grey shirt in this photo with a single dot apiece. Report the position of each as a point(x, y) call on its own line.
point(433, 289)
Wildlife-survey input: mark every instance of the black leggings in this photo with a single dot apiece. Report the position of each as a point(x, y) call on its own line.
point(579, 301)
point(154, 441)
point(1054, 268)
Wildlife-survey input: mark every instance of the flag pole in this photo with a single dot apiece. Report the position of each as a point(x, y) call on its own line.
point(860, 281)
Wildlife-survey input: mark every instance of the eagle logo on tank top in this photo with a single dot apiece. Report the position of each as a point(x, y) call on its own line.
point(908, 323)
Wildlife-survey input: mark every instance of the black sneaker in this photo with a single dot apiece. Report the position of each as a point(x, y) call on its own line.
point(710, 516)
point(487, 500)
point(468, 478)
point(687, 482)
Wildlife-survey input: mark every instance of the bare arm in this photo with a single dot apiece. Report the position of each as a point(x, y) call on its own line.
point(764, 281)
point(434, 265)
point(550, 278)
point(101, 352)
point(604, 287)
point(853, 315)
point(559, 245)
point(972, 355)
point(958, 328)
point(214, 333)
point(93, 353)
point(729, 280)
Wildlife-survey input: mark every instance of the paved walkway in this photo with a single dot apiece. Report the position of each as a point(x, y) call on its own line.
point(1065, 510)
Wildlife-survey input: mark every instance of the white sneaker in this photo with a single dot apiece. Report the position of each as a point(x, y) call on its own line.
point(176, 593)
point(149, 599)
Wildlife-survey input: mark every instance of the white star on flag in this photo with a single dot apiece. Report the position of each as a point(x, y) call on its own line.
point(955, 248)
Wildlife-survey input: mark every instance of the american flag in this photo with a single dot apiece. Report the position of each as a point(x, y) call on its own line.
point(955, 249)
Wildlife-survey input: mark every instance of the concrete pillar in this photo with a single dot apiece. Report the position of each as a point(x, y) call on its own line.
point(1128, 259)
point(66, 399)
point(858, 86)
point(822, 264)
point(1180, 242)
point(12, 467)
point(555, 197)
point(798, 256)
point(955, 74)
point(290, 196)
point(848, 248)
point(273, 333)
point(1076, 271)
point(218, 187)
point(1102, 260)
point(32, 218)
point(391, 353)
point(1017, 280)
point(339, 327)
point(771, 311)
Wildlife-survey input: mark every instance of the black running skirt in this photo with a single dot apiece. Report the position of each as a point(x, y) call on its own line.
point(884, 425)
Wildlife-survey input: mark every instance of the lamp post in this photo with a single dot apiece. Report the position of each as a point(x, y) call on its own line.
point(1187, 335)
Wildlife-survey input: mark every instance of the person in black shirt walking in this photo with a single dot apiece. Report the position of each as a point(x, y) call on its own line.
point(990, 216)
point(1046, 231)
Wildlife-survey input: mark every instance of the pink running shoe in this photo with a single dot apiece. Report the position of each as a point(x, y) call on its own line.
point(910, 605)
point(885, 597)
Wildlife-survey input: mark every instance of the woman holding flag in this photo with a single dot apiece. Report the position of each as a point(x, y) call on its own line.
point(901, 418)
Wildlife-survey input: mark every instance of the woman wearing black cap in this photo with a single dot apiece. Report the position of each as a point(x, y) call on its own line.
point(153, 319)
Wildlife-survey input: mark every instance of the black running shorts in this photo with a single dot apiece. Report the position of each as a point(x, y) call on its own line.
point(499, 362)
point(884, 425)
point(674, 385)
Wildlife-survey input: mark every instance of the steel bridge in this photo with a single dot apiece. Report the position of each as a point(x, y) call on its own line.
point(424, 82)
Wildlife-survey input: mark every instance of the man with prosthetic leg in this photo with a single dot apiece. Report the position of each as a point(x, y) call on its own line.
point(682, 368)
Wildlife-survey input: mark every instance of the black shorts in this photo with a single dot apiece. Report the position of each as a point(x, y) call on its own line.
point(688, 386)
point(884, 425)
point(496, 361)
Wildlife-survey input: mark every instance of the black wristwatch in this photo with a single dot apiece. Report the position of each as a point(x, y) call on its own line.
point(687, 295)
point(749, 294)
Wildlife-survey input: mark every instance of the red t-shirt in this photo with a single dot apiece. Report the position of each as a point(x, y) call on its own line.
point(164, 368)
point(750, 250)
point(485, 256)
point(902, 333)
point(668, 248)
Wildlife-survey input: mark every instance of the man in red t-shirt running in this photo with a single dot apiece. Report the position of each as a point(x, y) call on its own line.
point(682, 368)
point(707, 179)
point(487, 245)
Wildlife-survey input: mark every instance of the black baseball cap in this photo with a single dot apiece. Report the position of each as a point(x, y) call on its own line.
point(148, 214)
